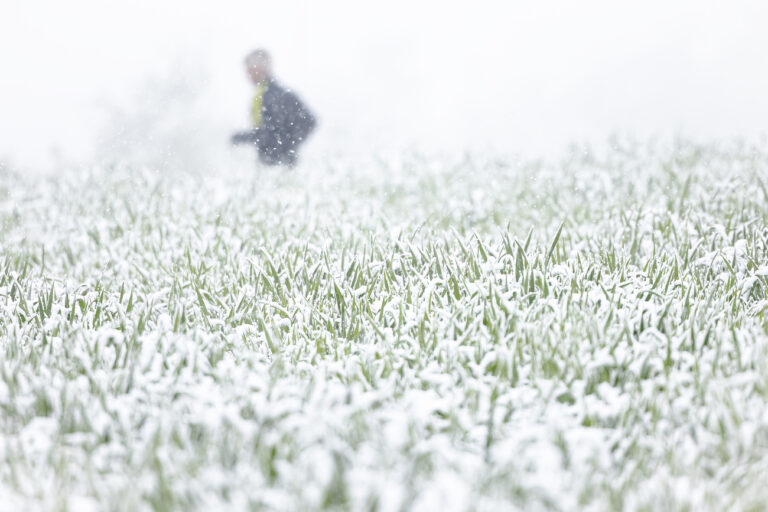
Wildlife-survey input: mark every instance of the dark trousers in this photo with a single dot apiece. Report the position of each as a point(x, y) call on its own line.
point(270, 149)
point(287, 157)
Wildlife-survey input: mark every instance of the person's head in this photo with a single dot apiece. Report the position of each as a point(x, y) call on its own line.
point(258, 65)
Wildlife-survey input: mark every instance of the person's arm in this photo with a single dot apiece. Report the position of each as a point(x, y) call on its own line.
point(246, 137)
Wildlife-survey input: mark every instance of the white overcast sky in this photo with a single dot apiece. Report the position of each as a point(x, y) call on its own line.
point(527, 77)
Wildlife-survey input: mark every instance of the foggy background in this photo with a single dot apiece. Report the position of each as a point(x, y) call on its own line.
point(88, 80)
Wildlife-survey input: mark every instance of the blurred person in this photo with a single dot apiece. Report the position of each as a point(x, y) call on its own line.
point(280, 121)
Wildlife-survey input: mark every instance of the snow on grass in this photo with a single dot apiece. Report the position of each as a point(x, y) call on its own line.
point(403, 333)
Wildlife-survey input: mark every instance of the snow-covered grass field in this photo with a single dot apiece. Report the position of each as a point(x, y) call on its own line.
point(389, 334)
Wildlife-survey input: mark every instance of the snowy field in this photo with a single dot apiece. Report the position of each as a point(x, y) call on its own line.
point(391, 334)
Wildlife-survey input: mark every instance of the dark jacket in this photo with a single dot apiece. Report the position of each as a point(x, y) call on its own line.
point(285, 124)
